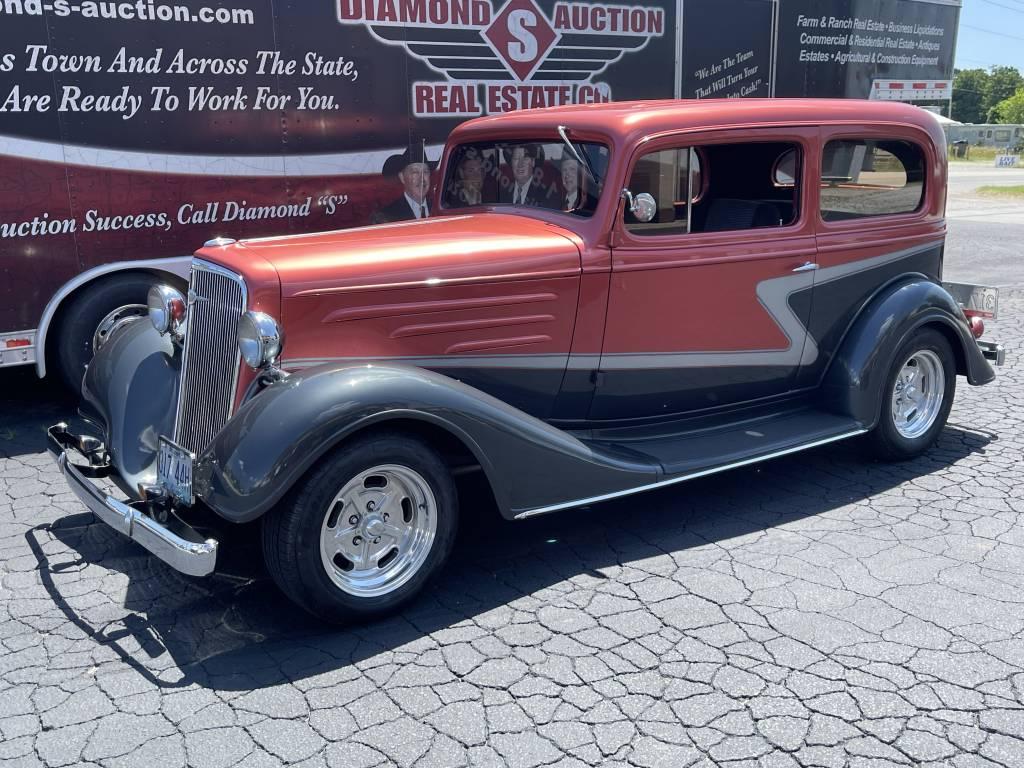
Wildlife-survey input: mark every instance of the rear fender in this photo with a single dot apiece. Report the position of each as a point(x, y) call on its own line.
point(279, 434)
point(854, 383)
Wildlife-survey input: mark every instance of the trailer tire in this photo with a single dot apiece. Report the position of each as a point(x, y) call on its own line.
point(81, 318)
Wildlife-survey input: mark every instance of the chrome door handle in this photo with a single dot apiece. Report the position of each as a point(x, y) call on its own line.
point(809, 266)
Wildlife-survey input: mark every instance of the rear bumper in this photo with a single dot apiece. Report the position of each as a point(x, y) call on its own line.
point(993, 352)
point(183, 549)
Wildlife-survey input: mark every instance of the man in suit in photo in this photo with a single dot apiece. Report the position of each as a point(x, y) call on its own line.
point(413, 170)
point(470, 190)
point(576, 198)
point(525, 161)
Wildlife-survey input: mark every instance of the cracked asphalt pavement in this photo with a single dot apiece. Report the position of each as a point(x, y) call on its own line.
point(816, 610)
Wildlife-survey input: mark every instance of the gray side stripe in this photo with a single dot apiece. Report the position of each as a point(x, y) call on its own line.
point(773, 295)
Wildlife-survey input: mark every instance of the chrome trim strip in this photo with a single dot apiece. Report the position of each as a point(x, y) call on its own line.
point(682, 478)
point(177, 265)
point(547, 362)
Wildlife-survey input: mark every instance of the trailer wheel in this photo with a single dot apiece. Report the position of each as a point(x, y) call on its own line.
point(361, 535)
point(89, 318)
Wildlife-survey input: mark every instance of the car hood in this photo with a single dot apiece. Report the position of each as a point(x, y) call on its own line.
point(475, 247)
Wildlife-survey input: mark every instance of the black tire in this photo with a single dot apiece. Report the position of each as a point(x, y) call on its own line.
point(885, 441)
point(82, 316)
point(291, 531)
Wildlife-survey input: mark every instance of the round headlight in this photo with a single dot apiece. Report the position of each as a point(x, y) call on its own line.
point(166, 309)
point(260, 339)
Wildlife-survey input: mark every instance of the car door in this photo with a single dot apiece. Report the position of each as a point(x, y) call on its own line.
point(880, 199)
point(709, 302)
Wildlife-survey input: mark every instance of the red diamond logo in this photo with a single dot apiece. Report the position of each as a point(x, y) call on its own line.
point(522, 37)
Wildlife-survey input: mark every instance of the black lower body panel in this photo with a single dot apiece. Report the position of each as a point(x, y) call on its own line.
point(686, 455)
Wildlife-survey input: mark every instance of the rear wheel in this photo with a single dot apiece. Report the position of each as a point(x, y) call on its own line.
point(89, 319)
point(366, 529)
point(917, 397)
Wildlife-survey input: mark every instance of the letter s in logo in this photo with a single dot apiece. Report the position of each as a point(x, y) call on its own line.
point(520, 23)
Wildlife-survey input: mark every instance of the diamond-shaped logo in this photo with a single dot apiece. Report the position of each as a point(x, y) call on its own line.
point(522, 37)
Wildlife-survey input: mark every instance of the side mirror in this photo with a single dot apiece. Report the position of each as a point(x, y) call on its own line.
point(643, 206)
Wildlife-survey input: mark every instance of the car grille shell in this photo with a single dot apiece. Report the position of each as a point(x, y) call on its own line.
point(209, 369)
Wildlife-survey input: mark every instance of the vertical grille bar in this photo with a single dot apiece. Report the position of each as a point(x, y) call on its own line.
point(209, 372)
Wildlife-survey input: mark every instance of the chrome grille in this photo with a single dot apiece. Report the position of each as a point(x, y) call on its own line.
point(209, 368)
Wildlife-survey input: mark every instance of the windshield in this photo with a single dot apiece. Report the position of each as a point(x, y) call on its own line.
point(539, 174)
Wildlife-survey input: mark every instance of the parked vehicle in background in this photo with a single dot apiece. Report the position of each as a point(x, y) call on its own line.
point(131, 133)
point(612, 299)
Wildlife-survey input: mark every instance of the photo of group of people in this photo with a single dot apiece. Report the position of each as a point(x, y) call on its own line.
point(528, 174)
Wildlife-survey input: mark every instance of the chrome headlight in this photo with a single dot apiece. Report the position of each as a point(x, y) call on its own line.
point(166, 309)
point(260, 339)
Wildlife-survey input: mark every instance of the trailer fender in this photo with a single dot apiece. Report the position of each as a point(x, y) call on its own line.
point(176, 267)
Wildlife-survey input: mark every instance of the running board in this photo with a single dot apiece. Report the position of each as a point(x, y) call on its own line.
point(690, 456)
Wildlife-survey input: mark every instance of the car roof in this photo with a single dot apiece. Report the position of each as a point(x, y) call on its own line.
point(630, 119)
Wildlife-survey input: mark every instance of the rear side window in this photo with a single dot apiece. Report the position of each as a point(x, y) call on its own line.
point(718, 188)
point(862, 178)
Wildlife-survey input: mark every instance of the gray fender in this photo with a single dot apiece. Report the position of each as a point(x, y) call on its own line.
point(277, 435)
point(853, 385)
point(130, 391)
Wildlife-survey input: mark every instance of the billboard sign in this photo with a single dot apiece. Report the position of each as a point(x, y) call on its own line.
point(140, 130)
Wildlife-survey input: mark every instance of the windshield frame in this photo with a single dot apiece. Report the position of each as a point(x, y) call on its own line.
point(496, 140)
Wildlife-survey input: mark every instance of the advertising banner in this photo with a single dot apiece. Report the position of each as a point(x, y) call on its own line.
point(840, 48)
point(727, 53)
point(142, 129)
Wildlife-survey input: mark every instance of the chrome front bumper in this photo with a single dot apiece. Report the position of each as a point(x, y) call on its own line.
point(184, 550)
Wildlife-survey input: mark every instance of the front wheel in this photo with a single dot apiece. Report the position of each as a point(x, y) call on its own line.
point(362, 534)
point(918, 395)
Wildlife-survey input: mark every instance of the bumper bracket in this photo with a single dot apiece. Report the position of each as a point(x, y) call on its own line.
point(993, 352)
point(183, 549)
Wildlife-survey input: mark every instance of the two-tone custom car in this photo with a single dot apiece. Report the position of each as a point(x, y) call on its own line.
point(610, 299)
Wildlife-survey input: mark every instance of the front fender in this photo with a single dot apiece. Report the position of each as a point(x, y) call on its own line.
point(854, 383)
point(130, 390)
point(276, 436)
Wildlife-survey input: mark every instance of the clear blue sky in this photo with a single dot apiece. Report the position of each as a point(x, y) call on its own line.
point(976, 48)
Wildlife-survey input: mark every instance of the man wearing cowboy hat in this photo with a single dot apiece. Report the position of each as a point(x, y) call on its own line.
point(413, 170)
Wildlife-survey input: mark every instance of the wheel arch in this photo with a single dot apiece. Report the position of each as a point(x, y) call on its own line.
point(951, 335)
point(176, 269)
point(458, 451)
point(853, 383)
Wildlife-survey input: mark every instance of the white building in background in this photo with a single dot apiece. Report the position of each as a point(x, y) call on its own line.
point(985, 135)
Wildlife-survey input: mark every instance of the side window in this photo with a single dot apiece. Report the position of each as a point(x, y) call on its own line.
point(719, 188)
point(870, 178)
point(673, 178)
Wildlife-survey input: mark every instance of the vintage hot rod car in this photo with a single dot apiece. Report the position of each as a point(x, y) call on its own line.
point(611, 299)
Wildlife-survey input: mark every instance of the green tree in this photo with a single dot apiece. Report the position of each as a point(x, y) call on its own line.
point(970, 87)
point(1003, 83)
point(1009, 110)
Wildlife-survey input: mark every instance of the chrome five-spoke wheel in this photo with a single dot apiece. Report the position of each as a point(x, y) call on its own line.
point(365, 529)
point(918, 394)
point(378, 530)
